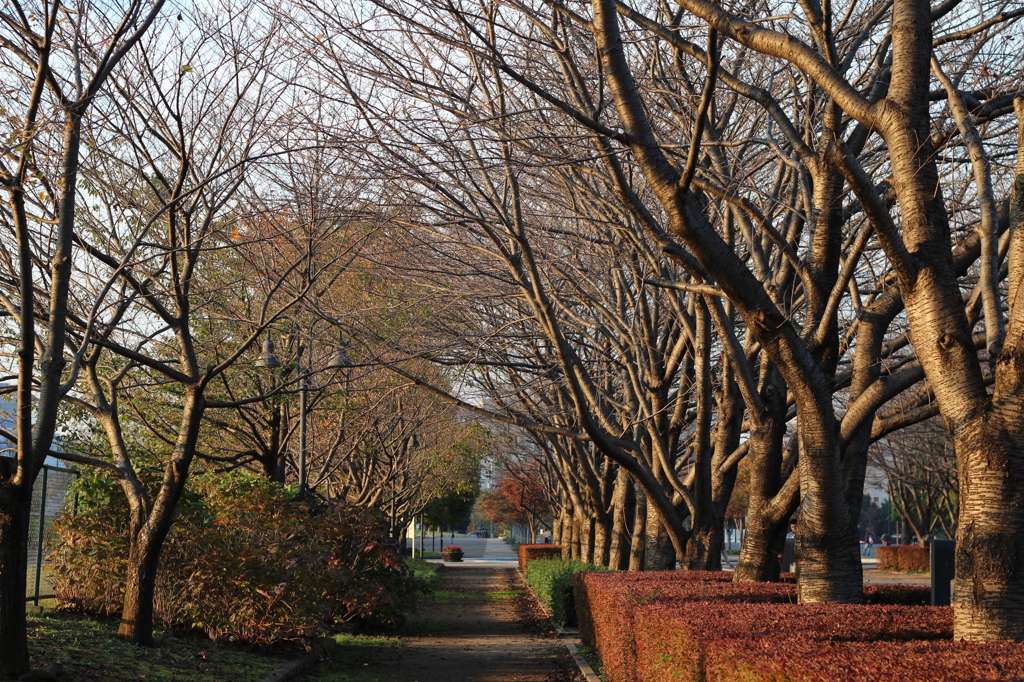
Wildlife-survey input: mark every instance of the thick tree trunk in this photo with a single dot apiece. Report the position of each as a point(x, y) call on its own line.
point(602, 537)
point(588, 536)
point(14, 518)
point(761, 553)
point(768, 509)
point(988, 591)
point(618, 549)
point(704, 550)
point(828, 561)
point(659, 554)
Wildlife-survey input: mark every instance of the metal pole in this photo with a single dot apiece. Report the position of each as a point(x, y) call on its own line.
point(42, 524)
point(302, 433)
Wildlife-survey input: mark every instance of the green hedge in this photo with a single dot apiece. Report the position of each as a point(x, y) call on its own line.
point(551, 579)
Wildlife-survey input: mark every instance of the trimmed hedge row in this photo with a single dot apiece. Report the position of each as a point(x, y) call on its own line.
point(910, 558)
point(528, 553)
point(680, 625)
point(552, 580)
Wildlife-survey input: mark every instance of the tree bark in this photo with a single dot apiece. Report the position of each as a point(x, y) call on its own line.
point(638, 544)
point(988, 591)
point(618, 550)
point(602, 537)
point(659, 554)
point(14, 523)
point(138, 612)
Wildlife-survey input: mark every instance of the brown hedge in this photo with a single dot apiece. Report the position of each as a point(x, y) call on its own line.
point(887, 557)
point(528, 553)
point(606, 608)
point(678, 625)
point(911, 558)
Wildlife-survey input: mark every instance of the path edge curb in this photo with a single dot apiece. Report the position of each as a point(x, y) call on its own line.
point(588, 673)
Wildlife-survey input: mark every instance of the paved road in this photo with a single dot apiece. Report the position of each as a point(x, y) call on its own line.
point(478, 551)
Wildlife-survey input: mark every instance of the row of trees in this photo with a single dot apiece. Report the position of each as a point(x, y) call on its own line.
point(670, 239)
point(170, 204)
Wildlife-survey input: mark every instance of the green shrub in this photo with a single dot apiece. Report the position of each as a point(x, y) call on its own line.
point(551, 579)
point(243, 562)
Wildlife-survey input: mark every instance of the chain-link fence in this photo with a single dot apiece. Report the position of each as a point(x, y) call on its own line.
point(50, 496)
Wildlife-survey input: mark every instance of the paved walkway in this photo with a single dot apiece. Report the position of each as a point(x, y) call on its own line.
point(479, 626)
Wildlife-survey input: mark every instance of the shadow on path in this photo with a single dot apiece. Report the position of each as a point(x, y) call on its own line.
point(480, 626)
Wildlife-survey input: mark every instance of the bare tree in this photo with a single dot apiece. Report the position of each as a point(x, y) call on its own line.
point(919, 467)
point(57, 60)
point(170, 250)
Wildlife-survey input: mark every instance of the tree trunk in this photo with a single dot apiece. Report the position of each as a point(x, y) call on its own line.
point(618, 550)
point(639, 540)
point(148, 536)
point(602, 536)
point(704, 550)
point(138, 611)
point(659, 555)
point(828, 561)
point(14, 522)
point(988, 591)
point(768, 509)
point(588, 535)
point(568, 534)
point(760, 554)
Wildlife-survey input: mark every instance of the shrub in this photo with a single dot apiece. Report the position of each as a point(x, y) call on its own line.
point(887, 560)
point(914, 558)
point(679, 625)
point(911, 558)
point(902, 595)
point(242, 562)
point(530, 552)
point(607, 606)
point(552, 580)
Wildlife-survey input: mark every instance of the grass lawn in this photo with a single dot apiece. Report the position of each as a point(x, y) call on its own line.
point(89, 650)
point(352, 655)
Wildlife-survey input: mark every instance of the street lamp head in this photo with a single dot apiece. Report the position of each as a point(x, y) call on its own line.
point(267, 357)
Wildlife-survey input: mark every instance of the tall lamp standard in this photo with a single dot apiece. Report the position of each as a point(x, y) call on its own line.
point(268, 359)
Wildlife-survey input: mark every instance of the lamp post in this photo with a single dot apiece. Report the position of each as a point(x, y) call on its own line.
point(340, 360)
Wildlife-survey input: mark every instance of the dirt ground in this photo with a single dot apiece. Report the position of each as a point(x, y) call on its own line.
point(481, 626)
